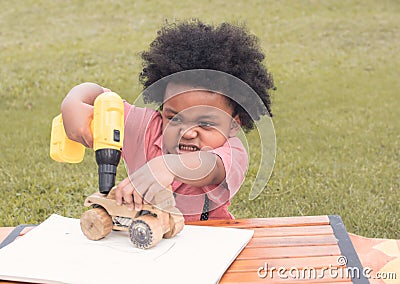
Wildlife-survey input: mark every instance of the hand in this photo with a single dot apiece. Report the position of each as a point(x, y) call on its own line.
point(77, 112)
point(77, 123)
point(141, 186)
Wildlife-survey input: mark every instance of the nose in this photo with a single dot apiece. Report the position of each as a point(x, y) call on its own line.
point(189, 133)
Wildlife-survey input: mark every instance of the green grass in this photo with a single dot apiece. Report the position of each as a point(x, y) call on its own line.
point(336, 65)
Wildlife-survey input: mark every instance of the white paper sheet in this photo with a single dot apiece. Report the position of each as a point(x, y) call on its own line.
point(56, 251)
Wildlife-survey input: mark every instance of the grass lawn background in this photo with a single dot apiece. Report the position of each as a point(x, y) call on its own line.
point(336, 65)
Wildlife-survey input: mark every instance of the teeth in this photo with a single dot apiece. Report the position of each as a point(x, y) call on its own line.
point(187, 148)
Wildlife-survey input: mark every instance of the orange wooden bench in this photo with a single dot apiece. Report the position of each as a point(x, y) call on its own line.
point(309, 249)
point(285, 249)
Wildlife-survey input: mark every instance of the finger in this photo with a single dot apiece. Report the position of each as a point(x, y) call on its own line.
point(140, 184)
point(119, 191)
point(88, 140)
point(85, 138)
point(127, 196)
point(84, 143)
point(85, 125)
point(138, 200)
point(83, 135)
point(126, 191)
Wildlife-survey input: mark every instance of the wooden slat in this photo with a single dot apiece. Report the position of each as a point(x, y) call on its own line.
point(249, 265)
point(293, 231)
point(285, 252)
point(267, 222)
point(4, 232)
point(258, 232)
point(292, 241)
point(7, 231)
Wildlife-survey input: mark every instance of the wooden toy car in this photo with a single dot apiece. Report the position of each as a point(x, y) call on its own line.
point(146, 227)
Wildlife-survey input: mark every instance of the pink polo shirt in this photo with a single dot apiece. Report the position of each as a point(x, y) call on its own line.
point(143, 142)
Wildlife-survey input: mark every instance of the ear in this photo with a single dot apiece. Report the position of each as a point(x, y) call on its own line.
point(235, 126)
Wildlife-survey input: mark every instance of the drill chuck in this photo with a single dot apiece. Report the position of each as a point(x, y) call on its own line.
point(107, 160)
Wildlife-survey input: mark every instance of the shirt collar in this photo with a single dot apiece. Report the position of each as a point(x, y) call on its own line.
point(158, 141)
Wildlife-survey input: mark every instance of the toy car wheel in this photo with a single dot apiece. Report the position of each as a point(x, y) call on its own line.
point(176, 223)
point(145, 231)
point(96, 223)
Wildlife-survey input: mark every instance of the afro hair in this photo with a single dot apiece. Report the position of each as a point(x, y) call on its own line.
point(226, 48)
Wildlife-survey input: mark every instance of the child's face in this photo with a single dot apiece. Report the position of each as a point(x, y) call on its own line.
point(195, 120)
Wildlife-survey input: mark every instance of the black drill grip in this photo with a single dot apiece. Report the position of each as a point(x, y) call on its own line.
point(107, 160)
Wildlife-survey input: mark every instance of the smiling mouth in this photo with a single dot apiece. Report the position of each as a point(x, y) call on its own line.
point(190, 148)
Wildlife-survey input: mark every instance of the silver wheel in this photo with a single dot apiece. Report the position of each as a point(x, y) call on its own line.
point(145, 231)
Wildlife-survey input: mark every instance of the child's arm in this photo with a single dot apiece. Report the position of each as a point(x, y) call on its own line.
point(77, 112)
point(198, 169)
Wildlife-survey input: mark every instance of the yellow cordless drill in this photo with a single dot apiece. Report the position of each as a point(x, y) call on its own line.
point(108, 135)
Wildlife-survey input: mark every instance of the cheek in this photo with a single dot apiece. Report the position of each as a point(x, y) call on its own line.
point(214, 139)
point(170, 133)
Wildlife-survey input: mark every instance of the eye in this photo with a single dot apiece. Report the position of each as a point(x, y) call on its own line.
point(206, 124)
point(174, 119)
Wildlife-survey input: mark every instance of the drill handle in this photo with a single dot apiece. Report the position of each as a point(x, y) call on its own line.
point(63, 149)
